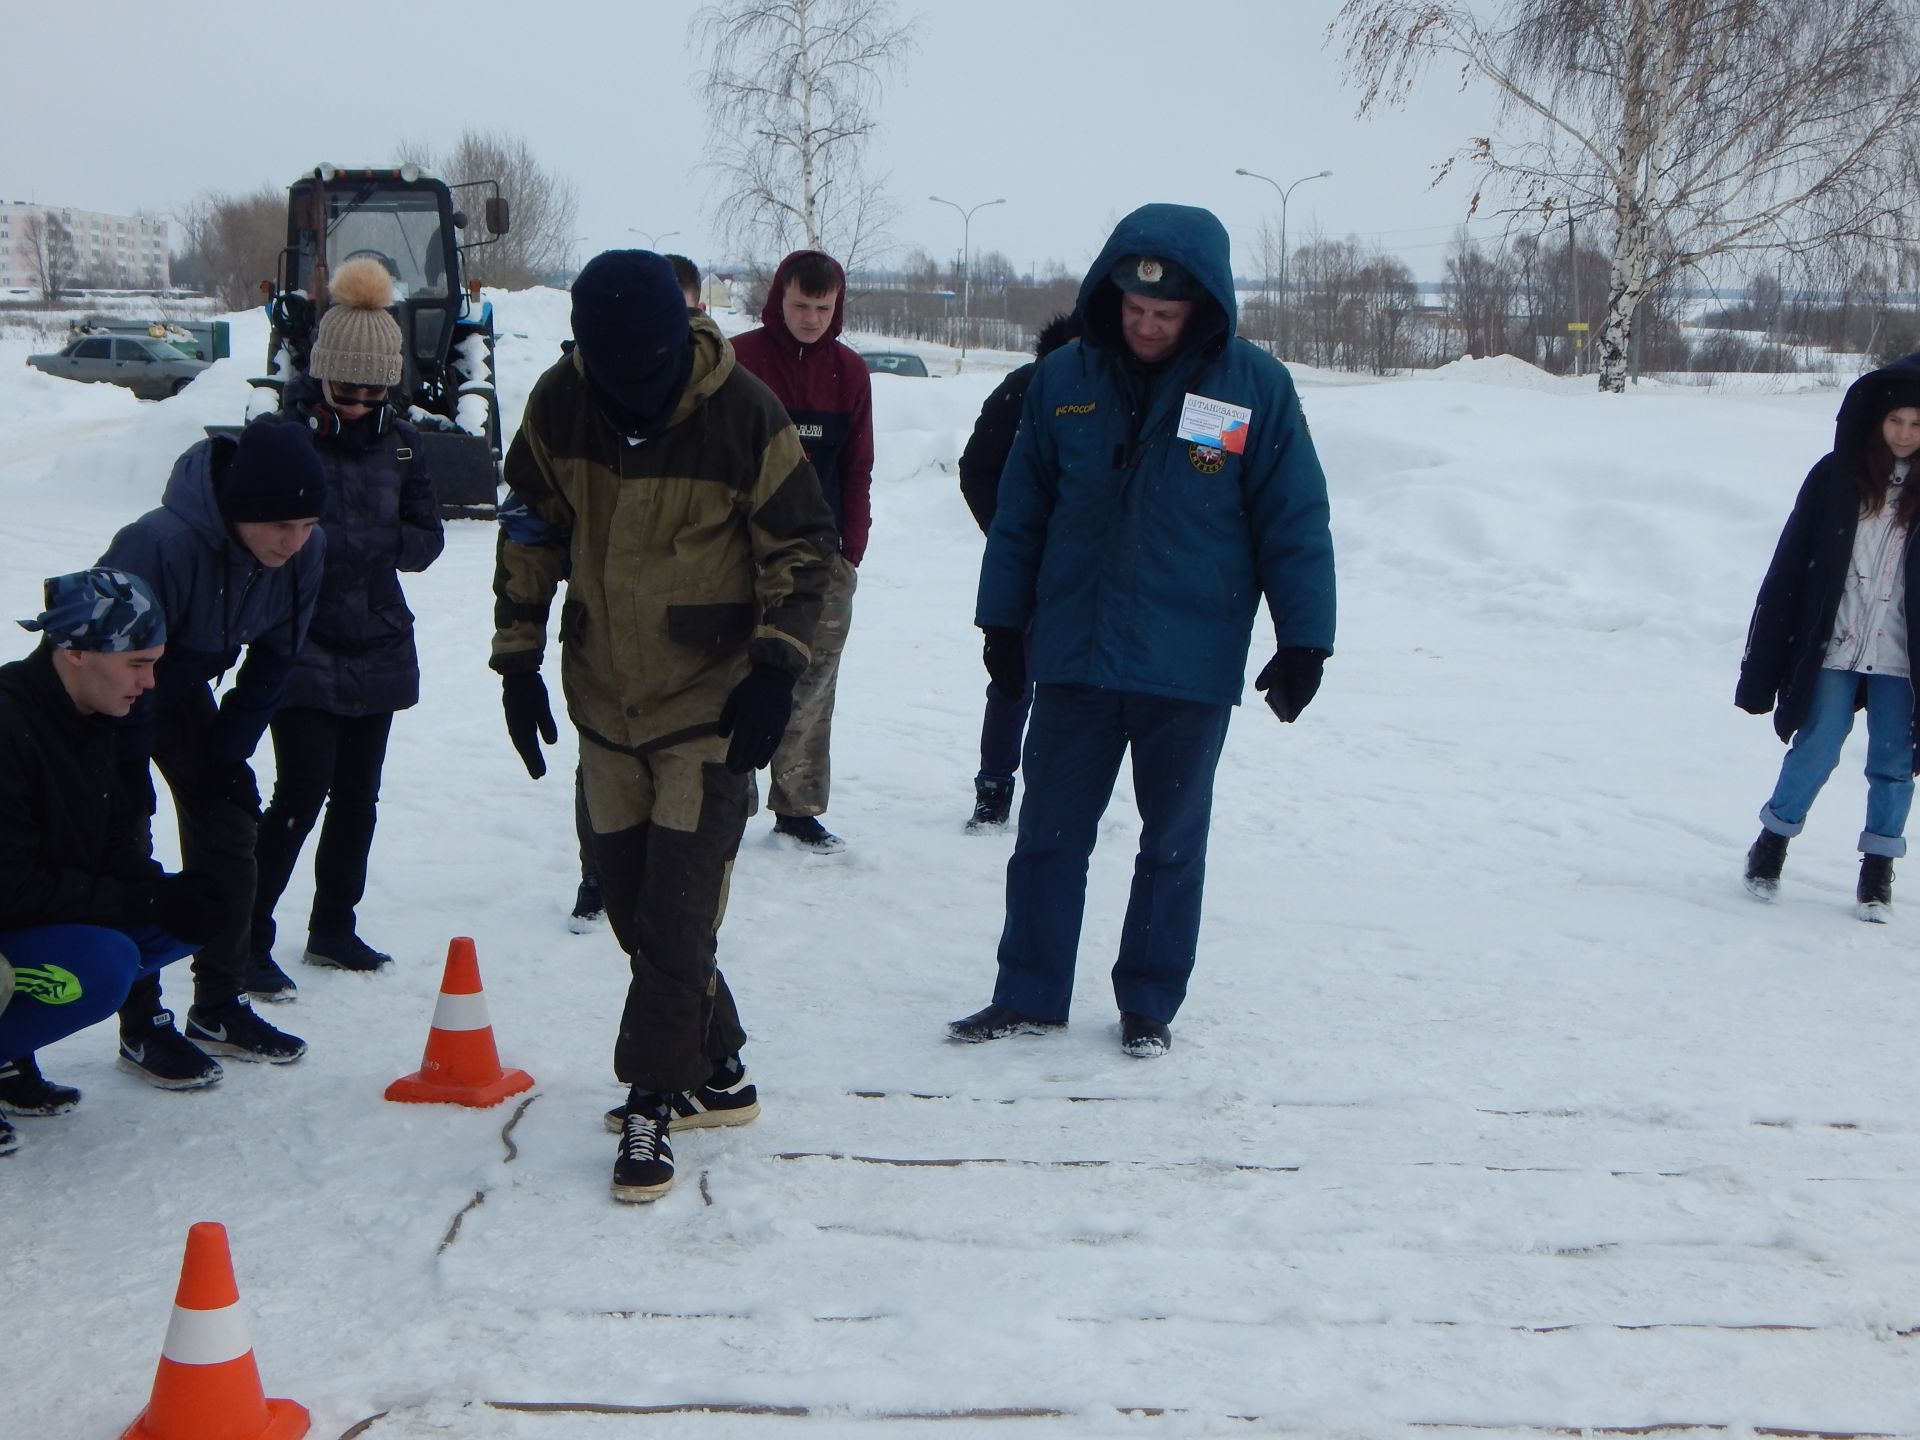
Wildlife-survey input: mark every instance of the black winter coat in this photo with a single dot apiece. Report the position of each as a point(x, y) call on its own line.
point(380, 518)
point(993, 433)
point(1793, 617)
point(71, 849)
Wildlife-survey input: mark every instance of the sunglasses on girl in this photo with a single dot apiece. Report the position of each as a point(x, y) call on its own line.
point(368, 395)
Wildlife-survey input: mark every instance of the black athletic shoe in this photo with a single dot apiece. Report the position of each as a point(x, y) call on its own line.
point(643, 1166)
point(807, 833)
point(230, 1027)
point(1764, 860)
point(9, 1142)
point(1875, 890)
point(997, 1021)
point(992, 805)
point(728, 1098)
point(1142, 1038)
point(267, 982)
point(25, 1091)
point(589, 907)
point(161, 1055)
point(345, 952)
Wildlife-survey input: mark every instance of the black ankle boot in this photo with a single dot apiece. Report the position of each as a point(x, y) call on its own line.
point(993, 804)
point(1875, 890)
point(1764, 860)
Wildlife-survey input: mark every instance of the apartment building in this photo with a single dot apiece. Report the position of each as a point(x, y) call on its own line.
point(120, 252)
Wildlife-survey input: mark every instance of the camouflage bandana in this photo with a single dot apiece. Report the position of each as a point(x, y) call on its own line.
point(100, 609)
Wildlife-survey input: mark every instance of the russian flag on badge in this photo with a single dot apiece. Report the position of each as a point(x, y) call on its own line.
point(1233, 437)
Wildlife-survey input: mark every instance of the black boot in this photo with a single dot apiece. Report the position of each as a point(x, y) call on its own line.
point(1875, 890)
point(992, 804)
point(1764, 860)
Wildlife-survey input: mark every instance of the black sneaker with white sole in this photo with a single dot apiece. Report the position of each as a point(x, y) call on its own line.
point(643, 1165)
point(1142, 1037)
point(728, 1098)
point(267, 982)
point(996, 1022)
point(25, 1091)
point(162, 1056)
point(345, 952)
point(229, 1027)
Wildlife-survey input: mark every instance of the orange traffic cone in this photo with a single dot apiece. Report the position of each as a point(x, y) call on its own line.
point(462, 1065)
point(207, 1386)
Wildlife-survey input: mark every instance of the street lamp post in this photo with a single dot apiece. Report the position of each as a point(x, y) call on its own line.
point(653, 241)
point(1283, 194)
point(966, 269)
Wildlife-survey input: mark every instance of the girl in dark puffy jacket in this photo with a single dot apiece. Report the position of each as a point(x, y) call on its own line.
point(1829, 634)
point(359, 665)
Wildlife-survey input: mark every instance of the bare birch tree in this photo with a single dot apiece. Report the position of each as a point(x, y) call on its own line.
point(51, 253)
point(1701, 128)
point(545, 205)
point(790, 88)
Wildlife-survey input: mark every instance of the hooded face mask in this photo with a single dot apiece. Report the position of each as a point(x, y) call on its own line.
point(630, 321)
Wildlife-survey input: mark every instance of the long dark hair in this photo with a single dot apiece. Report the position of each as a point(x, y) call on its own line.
point(1874, 477)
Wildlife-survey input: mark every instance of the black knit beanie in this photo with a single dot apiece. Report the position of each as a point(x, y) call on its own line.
point(274, 474)
point(630, 322)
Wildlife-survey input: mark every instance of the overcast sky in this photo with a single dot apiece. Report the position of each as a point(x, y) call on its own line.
point(1075, 111)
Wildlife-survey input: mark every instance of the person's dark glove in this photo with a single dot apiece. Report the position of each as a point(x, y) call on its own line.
point(1290, 679)
point(232, 783)
point(524, 694)
point(755, 716)
point(191, 906)
point(1005, 652)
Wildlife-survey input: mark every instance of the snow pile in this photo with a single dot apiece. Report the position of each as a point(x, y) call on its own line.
point(1496, 1102)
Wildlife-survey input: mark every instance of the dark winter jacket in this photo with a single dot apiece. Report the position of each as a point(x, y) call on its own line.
point(827, 391)
point(687, 559)
point(380, 518)
point(992, 441)
point(1793, 618)
point(1138, 559)
point(70, 840)
point(218, 598)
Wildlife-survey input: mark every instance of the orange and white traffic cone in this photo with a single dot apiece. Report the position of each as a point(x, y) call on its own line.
point(207, 1386)
point(462, 1064)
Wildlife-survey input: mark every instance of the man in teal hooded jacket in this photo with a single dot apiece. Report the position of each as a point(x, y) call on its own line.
point(1163, 483)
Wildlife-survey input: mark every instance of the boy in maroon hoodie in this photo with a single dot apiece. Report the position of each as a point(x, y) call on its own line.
point(824, 386)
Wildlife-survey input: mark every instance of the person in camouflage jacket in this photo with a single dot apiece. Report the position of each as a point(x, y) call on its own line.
point(667, 487)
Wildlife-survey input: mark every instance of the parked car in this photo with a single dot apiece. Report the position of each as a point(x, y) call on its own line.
point(895, 362)
point(147, 367)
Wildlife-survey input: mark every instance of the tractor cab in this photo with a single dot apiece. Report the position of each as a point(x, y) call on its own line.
point(410, 223)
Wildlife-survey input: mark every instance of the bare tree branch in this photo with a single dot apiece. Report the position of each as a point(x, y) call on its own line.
point(1703, 128)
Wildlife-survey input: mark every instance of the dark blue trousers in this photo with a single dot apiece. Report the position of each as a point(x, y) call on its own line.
point(67, 977)
point(1076, 739)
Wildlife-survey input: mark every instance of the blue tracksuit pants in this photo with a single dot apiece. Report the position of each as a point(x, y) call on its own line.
point(1076, 739)
point(67, 977)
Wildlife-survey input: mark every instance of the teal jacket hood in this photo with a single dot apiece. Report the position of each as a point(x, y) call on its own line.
point(1184, 233)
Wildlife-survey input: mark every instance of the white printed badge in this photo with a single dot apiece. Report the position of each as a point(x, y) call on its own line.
point(1214, 424)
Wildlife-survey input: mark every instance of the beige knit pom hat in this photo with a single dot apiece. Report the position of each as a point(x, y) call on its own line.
point(359, 342)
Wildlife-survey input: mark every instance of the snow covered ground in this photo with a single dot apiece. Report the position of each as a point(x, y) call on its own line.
point(1497, 1104)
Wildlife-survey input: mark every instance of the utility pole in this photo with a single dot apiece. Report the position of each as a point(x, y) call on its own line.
point(966, 269)
point(1280, 344)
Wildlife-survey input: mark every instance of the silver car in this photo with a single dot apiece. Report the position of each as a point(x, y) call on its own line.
point(150, 369)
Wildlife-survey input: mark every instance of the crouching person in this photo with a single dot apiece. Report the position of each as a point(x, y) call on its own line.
point(84, 910)
point(669, 489)
point(235, 562)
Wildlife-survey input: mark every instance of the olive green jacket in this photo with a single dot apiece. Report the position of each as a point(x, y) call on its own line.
point(687, 557)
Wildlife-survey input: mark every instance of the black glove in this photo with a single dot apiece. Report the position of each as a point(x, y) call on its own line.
point(1005, 652)
point(233, 784)
point(190, 906)
point(756, 716)
point(1290, 679)
point(524, 695)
